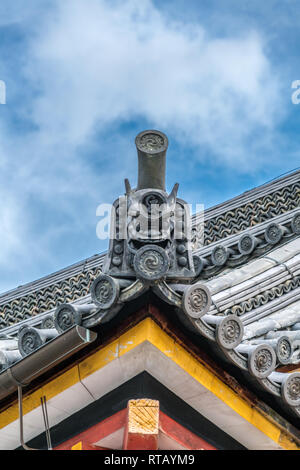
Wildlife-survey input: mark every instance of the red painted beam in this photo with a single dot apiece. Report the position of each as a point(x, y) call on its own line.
point(97, 432)
point(180, 434)
point(137, 436)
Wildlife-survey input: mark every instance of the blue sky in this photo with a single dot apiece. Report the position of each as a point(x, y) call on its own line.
point(83, 77)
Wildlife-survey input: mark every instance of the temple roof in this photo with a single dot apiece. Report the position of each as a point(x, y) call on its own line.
point(247, 282)
point(220, 222)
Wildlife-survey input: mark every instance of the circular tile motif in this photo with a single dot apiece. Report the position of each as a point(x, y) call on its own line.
point(65, 317)
point(290, 389)
point(105, 291)
point(273, 233)
point(196, 300)
point(219, 255)
point(151, 141)
point(262, 361)
point(151, 263)
point(246, 244)
point(28, 341)
point(229, 332)
point(284, 349)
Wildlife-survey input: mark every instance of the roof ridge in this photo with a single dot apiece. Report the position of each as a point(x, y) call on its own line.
point(250, 194)
point(45, 280)
point(96, 259)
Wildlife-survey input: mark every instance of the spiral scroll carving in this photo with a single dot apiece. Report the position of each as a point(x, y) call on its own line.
point(219, 255)
point(262, 361)
point(196, 300)
point(48, 322)
point(28, 341)
point(105, 291)
point(151, 263)
point(151, 142)
point(246, 244)
point(284, 350)
point(65, 317)
point(290, 389)
point(273, 233)
point(153, 198)
point(229, 332)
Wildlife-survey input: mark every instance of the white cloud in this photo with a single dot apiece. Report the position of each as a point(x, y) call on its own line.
point(116, 60)
point(93, 65)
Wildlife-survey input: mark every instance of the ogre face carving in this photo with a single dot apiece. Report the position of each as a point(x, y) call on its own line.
point(151, 228)
point(150, 216)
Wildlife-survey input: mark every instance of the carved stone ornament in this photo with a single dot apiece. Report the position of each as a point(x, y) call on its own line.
point(284, 350)
point(65, 317)
point(219, 255)
point(151, 263)
point(151, 142)
point(148, 215)
point(262, 361)
point(290, 389)
point(273, 233)
point(246, 244)
point(105, 291)
point(196, 300)
point(229, 332)
point(29, 340)
point(48, 322)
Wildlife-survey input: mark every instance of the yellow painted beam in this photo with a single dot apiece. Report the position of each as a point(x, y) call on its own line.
point(148, 330)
